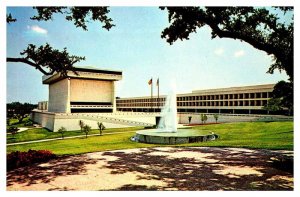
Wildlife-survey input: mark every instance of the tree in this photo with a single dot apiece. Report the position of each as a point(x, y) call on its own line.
point(48, 60)
point(86, 130)
point(13, 130)
point(19, 110)
point(81, 124)
point(283, 92)
point(263, 28)
point(190, 119)
point(273, 105)
point(101, 127)
point(203, 118)
point(62, 130)
point(216, 117)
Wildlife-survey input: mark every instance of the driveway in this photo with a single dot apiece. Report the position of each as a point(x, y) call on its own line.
point(164, 168)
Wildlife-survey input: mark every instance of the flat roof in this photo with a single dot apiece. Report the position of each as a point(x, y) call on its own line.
point(236, 88)
point(212, 91)
point(97, 70)
point(85, 73)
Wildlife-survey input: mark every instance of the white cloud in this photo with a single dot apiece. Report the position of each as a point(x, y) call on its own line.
point(219, 51)
point(37, 29)
point(239, 53)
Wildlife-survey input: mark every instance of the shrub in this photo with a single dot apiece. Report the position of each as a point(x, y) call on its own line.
point(81, 125)
point(216, 116)
point(190, 118)
point(101, 127)
point(18, 159)
point(62, 130)
point(86, 130)
point(203, 118)
point(13, 130)
point(28, 123)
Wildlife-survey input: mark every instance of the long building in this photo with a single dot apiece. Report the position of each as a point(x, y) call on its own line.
point(90, 96)
point(235, 100)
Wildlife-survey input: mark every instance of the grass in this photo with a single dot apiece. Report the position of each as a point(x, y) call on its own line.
point(15, 122)
point(262, 135)
point(84, 145)
point(41, 133)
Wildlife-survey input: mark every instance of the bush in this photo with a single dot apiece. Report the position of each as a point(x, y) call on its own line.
point(13, 130)
point(18, 159)
point(28, 123)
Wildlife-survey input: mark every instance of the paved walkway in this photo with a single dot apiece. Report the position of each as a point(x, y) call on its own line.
point(78, 136)
point(166, 168)
point(20, 130)
point(53, 139)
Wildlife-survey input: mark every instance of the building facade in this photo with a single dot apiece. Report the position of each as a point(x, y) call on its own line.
point(235, 100)
point(90, 90)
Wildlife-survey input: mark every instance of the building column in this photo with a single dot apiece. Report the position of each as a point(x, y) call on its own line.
point(68, 104)
point(114, 102)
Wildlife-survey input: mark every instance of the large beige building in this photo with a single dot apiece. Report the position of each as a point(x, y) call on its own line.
point(89, 95)
point(90, 90)
point(235, 100)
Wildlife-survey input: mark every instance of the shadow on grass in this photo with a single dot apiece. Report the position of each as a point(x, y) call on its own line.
point(219, 169)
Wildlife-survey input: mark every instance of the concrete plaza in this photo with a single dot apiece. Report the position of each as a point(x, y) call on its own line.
point(163, 168)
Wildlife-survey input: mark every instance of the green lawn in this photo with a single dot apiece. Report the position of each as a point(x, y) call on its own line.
point(264, 135)
point(15, 122)
point(41, 133)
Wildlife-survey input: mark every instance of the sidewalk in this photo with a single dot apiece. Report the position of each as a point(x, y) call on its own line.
point(53, 139)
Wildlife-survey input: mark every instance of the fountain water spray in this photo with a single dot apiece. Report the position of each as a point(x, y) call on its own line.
point(167, 132)
point(168, 120)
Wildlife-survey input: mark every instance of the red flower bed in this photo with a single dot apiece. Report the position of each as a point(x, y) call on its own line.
point(18, 159)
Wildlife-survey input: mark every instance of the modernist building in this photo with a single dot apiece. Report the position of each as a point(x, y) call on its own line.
point(89, 95)
point(235, 100)
point(90, 90)
point(72, 98)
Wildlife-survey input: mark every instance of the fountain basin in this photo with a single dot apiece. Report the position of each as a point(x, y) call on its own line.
point(182, 136)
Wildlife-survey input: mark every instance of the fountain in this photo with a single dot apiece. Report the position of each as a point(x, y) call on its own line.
point(167, 131)
point(168, 118)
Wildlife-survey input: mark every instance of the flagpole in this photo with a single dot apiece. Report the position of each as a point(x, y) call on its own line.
point(151, 95)
point(157, 83)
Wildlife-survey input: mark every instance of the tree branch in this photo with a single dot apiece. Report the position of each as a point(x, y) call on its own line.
point(26, 61)
point(234, 35)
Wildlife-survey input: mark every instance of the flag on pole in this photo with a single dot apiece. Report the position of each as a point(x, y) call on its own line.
point(150, 81)
point(157, 82)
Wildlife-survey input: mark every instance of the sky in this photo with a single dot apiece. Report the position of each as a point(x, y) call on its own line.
point(135, 47)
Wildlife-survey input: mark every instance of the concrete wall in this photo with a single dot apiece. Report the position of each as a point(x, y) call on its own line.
point(58, 97)
point(196, 118)
point(72, 124)
point(71, 121)
point(91, 90)
point(45, 119)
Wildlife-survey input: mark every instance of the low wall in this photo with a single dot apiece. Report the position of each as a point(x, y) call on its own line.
point(196, 118)
point(72, 124)
point(53, 121)
point(45, 119)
